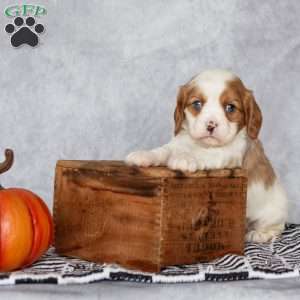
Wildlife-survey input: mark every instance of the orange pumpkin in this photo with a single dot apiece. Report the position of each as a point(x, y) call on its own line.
point(26, 228)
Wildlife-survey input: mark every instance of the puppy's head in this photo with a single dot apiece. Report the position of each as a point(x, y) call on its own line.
point(214, 106)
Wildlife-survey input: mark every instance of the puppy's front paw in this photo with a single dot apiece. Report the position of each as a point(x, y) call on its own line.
point(182, 162)
point(142, 159)
point(264, 235)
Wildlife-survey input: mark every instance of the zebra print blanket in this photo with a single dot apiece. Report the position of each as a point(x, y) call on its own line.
point(278, 259)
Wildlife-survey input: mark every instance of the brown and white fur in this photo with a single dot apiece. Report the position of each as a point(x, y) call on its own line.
point(217, 121)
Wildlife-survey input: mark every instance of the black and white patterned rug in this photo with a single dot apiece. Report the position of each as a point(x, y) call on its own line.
point(278, 259)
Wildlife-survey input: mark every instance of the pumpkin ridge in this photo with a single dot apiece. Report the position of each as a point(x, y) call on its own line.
point(36, 238)
point(21, 195)
point(33, 226)
point(50, 222)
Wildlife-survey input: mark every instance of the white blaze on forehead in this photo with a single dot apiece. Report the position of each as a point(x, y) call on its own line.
point(213, 82)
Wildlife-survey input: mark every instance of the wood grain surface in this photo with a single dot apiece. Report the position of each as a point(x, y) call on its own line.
point(147, 218)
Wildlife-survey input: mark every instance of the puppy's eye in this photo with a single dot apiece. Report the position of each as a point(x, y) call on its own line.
point(197, 105)
point(230, 108)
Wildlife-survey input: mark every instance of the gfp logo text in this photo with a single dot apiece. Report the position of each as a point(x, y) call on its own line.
point(25, 10)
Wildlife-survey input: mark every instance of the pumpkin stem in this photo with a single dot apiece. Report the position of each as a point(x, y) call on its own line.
point(9, 159)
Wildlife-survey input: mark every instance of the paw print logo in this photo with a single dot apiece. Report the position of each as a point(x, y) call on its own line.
point(24, 32)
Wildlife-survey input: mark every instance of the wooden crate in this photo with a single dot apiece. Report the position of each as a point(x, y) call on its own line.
point(147, 218)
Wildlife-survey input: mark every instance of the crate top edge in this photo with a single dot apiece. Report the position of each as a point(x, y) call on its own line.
point(117, 167)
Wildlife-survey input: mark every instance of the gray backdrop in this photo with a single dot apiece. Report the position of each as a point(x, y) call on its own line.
point(104, 78)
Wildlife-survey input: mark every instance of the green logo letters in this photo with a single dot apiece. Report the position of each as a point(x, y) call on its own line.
point(25, 10)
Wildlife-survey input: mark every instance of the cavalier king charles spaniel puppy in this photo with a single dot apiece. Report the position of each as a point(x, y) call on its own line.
point(217, 122)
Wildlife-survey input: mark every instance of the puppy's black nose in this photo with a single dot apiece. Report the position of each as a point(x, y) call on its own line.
point(210, 129)
point(211, 126)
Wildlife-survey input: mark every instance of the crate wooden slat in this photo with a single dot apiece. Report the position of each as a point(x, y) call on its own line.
point(147, 218)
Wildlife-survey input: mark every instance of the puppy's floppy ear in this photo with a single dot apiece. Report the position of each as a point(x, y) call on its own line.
point(179, 111)
point(253, 116)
